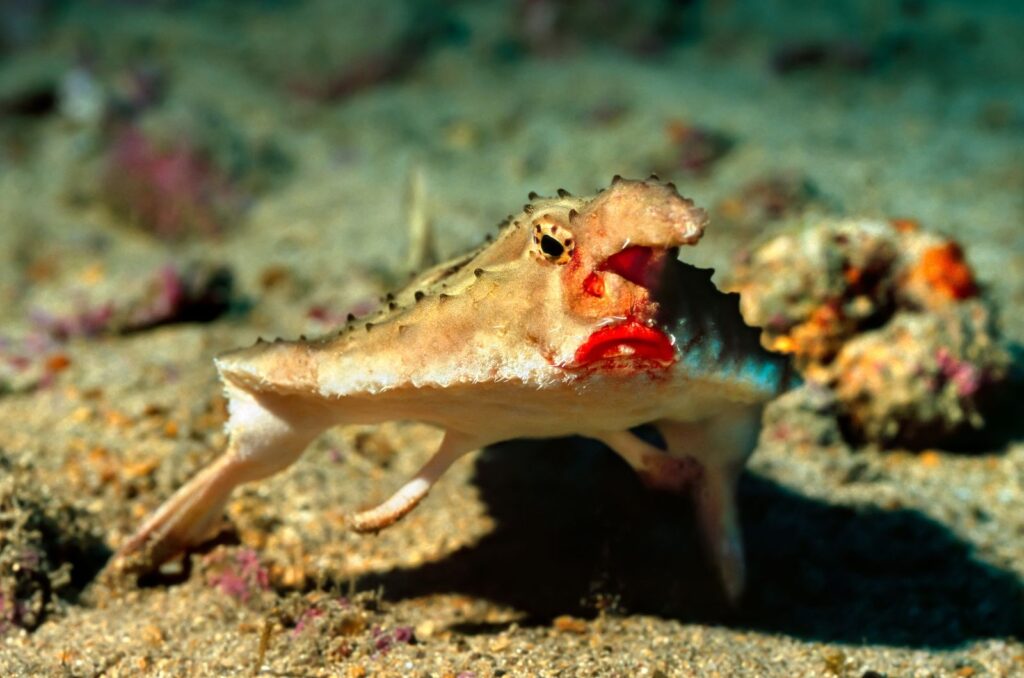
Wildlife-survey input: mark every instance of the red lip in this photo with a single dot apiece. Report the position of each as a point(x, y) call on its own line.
point(631, 341)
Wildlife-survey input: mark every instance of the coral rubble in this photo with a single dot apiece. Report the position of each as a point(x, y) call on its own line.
point(887, 316)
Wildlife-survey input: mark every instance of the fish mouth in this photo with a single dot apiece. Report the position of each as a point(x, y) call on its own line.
point(628, 343)
point(638, 264)
point(631, 342)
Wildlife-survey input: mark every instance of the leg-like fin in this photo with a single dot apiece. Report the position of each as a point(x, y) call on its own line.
point(409, 495)
point(183, 520)
point(720, 445)
point(719, 523)
point(635, 451)
point(265, 436)
point(658, 469)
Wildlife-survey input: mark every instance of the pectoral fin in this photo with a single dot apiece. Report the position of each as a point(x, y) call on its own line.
point(408, 496)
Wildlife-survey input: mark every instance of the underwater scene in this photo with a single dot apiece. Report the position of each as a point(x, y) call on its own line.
point(484, 338)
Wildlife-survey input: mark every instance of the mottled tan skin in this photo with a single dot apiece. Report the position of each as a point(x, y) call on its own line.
point(487, 348)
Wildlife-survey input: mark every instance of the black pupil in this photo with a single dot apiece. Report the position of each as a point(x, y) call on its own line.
point(551, 246)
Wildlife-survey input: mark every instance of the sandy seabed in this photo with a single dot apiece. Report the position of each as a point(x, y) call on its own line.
point(531, 558)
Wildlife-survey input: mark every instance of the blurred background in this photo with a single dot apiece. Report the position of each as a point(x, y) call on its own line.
point(178, 177)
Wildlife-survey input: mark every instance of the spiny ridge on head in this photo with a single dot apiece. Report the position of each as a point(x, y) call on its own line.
point(433, 286)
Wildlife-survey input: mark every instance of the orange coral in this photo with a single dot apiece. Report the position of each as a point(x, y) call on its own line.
point(943, 269)
point(818, 338)
point(905, 225)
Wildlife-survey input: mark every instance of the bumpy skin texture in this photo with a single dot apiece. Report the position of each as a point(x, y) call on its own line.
point(577, 319)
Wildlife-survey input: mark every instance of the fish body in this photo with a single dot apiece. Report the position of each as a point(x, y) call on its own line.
point(578, 318)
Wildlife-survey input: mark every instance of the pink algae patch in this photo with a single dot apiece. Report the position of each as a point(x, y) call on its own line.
point(169, 189)
point(238, 575)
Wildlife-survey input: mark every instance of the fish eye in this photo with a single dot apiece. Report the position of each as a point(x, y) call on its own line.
point(551, 247)
point(552, 242)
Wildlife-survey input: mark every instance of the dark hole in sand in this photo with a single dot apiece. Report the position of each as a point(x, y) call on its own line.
point(575, 525)
point(40, 536)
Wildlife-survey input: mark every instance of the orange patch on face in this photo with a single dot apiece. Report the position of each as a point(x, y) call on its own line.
point(593, 285)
